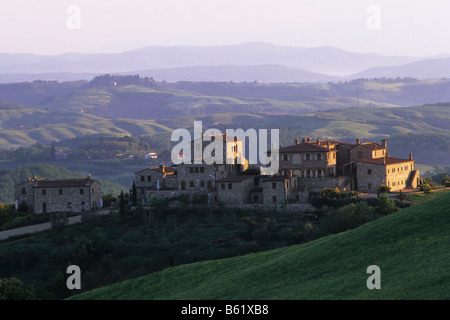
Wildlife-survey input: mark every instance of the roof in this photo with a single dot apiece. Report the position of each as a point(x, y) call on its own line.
point(43, 183)
point(167, 169)
point(305, 147)
point(384, 161)
point(371, 146)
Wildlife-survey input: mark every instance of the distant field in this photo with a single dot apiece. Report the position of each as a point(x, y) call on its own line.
point(410, 247)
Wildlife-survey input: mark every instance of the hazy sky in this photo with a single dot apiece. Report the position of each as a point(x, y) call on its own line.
point(393, 27)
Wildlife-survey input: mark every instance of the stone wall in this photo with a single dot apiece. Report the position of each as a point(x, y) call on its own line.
point(398, 174)
point(370, 176)
point(23, 193)
point(237, 192)
point(71, 199)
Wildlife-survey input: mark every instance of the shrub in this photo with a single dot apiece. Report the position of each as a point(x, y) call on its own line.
point(59, 220)
point(14, 289)
point(384, 189)
point(425, 188)
point(386, 205)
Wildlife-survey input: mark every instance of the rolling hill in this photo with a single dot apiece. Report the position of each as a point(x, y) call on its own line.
point(423, 69)
point(328, 60)
point(410, 247)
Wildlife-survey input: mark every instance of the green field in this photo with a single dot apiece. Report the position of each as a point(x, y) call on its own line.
point(410, 246)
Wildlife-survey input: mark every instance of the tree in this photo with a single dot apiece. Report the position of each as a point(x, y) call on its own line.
point(133, 194)
point(386, 205)
point(384, 189)
point(121, 203)
point(14, 289)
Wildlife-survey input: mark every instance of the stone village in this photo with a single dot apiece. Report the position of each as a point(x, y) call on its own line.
point(305, 168)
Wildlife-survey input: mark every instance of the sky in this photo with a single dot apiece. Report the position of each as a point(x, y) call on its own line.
point(389, 27)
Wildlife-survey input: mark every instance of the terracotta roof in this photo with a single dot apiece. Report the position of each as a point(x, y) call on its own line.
point(381, 161)
point(304, 147)
point(371, 146)
point(43, 183)
point(167, 169)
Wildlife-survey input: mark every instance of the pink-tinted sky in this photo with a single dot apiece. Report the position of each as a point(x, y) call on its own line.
point(393, 27)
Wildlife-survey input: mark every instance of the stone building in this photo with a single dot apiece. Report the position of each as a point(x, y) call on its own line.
point(396, 173)
point(305, 169)
point(279, 188)
point(64, 195)
point(235, 189)
point(155, 182)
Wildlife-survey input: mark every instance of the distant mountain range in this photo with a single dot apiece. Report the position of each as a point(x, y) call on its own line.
point(244, 62)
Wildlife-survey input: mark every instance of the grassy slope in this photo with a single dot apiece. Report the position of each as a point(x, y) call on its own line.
point(410, 246)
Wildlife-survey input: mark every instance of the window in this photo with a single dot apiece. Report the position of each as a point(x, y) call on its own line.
point(369, 171)
point(24, 191)
point(69, 205)
point(191, 184)
point(369, 186)
point(255, 198)
point(209, 184)
point(44, 192)
point(285, 157)
point(149, 178)
point(359, 154)
point(319, 156)
point(183, 185)
point(142, 178)
point(308, 173)
point(196, 169)
point(274, 185)
point(60, 192)
point(222, 186)
point(83, 206)
point(274, 199)
point(307, 156)
point(334, 155)
point(81, 191)
point(202, 183)
point(191, 170)
point(230, 186)
point(44, 207)
point(319, 172)
point(202, 169)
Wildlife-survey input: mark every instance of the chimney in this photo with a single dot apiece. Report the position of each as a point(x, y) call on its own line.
point(89, 176)
point(318, 141)
point(161, 166)
point(296, 141)
point(308, 139)
point(328, 145)
point(387, 154)
point(410, 156)
point(384, 143)
point(304, 140)
point(358, 141)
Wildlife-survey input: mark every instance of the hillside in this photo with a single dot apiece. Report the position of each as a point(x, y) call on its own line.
point(410, 247)
point(325, 59)
point(423, 69)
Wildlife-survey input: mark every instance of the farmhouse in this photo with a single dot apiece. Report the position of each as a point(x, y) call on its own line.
point(305, 168)
point(64, 195)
